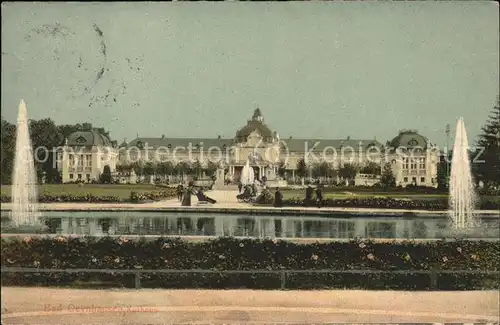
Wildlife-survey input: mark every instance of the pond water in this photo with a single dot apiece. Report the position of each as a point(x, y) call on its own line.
point(258, 226)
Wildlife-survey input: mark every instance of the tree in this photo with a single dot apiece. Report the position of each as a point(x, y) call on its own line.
point(487, 169)
point(322, 169)
point(348, 172)
point(442, 177)
point(105, 177)
point(8, 148)
point(302, 169)
point(44, 138)
point(387, 179)
point(371, 168)
point(196, 168)
point(211, 168)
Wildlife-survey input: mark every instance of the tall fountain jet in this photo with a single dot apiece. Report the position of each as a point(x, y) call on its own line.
point(462, 195)
point(247, 174)
point(24, 186)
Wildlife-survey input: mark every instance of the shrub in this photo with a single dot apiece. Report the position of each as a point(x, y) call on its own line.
point(234, 254)
point(265, 197)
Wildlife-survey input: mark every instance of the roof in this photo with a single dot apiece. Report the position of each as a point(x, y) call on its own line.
point(88, 138)
point(293, 145)
point(254, 125)
point(204, 143)
point(409, 139)
point(319, 145)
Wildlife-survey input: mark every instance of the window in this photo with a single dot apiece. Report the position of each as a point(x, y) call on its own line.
point(405, 179)
point(70, 176)
point(89, 160)
point(79, 176)
point(88, 177)
point(413, 164)
point(422, 179)
point(71, 160)
point(80, 160)
point(422, 163)
point(414, 180)
point(405, 163)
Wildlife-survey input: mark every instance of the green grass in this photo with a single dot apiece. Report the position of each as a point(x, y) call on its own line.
point(364, 194)
point(121, 191)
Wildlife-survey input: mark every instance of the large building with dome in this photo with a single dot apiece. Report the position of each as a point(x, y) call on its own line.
point(85, 153)
point(266, 152)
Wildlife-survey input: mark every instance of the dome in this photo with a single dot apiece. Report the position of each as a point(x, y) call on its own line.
point(255, 124)
point(88, 138)
point(409, 139)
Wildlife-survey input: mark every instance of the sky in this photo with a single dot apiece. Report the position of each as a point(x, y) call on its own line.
point(315, 69)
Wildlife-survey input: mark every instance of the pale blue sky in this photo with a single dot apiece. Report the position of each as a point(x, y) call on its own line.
point(316, 70)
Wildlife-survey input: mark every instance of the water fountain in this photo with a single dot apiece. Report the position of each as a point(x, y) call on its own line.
point(247, 174)
point(24, 186)
point(462, 195)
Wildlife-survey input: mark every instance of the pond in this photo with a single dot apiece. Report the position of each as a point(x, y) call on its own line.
point(261, 226)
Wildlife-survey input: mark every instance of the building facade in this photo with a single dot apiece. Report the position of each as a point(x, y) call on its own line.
point(412, 158)
point(84, 156)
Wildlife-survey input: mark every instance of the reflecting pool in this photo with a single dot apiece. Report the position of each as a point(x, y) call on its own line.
point(258, 226)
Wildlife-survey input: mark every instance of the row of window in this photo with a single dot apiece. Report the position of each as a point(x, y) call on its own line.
point(79, 177)
point(412, 163)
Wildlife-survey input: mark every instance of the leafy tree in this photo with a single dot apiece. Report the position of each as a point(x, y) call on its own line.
point(371, 168)
point(149, 168)
point(322, 169)
point(105, 177)
point(7, 150)
point(211, 168)
point(489, 140)
point(387, 178)
point(44, 138)
point(348, 172)
point(196, 168)
point(302, 169)
point(442, 177)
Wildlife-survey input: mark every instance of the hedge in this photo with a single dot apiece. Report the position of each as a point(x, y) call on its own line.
point(389, 203)
point(91, 198)
point(250, 254)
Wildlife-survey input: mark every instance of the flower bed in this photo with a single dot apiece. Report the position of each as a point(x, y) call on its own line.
point(248, 254)
point(389, 203)
point(91, 198)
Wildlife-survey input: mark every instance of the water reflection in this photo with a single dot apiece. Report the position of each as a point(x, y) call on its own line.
point(178, 224)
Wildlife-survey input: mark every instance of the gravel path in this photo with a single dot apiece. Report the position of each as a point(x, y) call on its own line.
point(58, 306)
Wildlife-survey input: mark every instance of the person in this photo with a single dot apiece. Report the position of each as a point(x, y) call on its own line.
point(319, 196)
point(186, 199)
point(309, 195)
point(278, 198)
point(180, 190)
point(240, 186)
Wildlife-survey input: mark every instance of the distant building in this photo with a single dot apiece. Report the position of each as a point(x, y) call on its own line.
point(84, 155)
point(411, 156)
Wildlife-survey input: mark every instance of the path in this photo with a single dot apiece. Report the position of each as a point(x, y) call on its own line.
point(58, 306)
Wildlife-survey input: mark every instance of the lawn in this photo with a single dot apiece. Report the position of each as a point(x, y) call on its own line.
point(352, 194)
point(121, 191)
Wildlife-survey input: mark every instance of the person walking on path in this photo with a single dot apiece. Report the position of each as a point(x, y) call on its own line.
point(319, 196)
point(180, 190)
point(278, 198)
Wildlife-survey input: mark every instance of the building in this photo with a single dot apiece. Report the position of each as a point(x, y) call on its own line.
point(83, 156)
point(411, 156)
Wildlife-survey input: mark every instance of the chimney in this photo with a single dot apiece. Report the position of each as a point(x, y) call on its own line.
point(218, 136)
point(163, 136)
point(290, 138)
point(348, 138)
